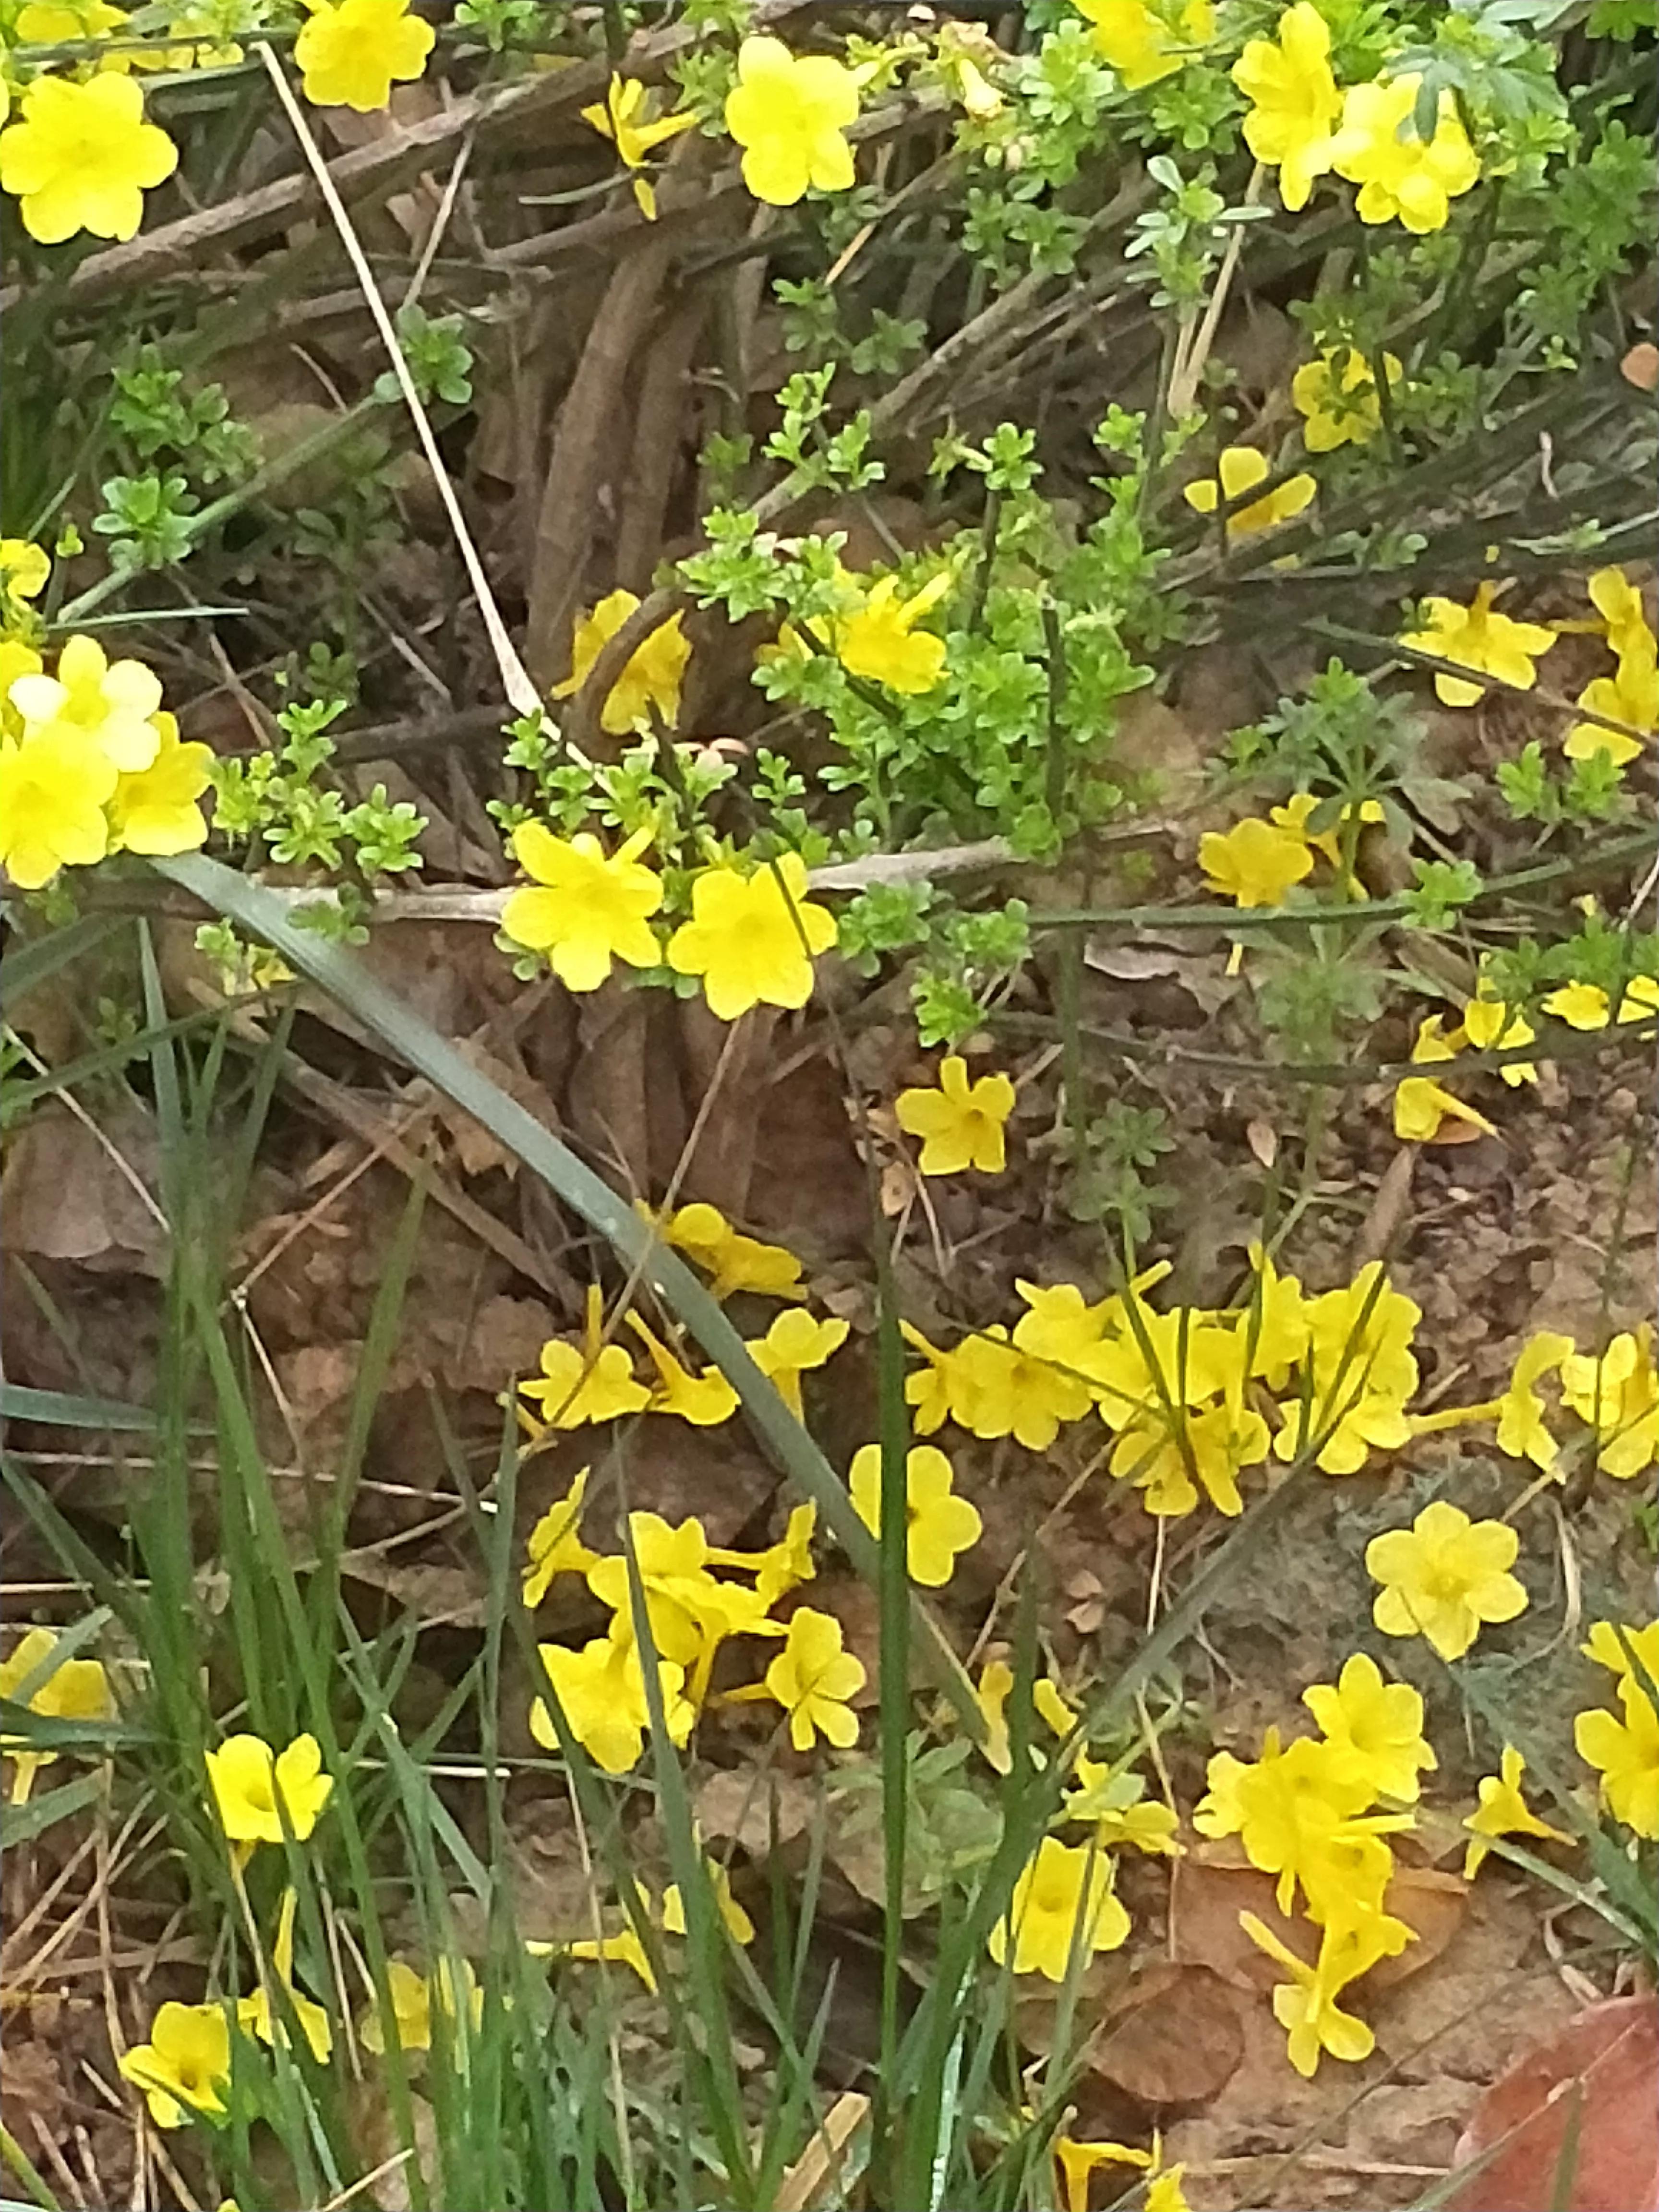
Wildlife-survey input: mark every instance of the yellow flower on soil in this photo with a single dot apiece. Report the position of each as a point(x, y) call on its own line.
point(1445, 1578)
point(1502, 1811)
point(1623, 1650)
point(752, 939)
point(1618, 602)
point(793, 1343)
point(16, 658)
point(1294, 104)
point(1641, 1000)
point(705, 1401)
point(414, 1996)
point(1292, 1809)
point(349, 55)
point(1523, 1432)
point(735, 1262)
point(1491, 1026)
point(1627, 1756)
point(1336, 396)
point(254, 1789)
point(790, 113)
point(1399, 175)
point(960, 1123)
point(1060, 1325)
point(1143, 40)
point(1255, 863)
point(54, 786)
point(940, 1524)
point(1375, 1726)
point(75, 1690)
point(83, 157)
point(1239, 469)
point(587, 908)
point(650, 677)
point(1305, 2007)
point(812, 1678)
point(1618, 1396)
point(1420, 1105)
point(1580, 1005)
point(736, 1921)
point(994, 1390)
point(112, 703)
point(787, 1563)
point(24, 568)
point(555, 1547)
point(1477, 637)
point(257, 2016)
point(601, 1690)
point(880, 641)
point(186, 2065)
point(588, 1382)
point(1062, 1906)
point(624, 1950)
point(156, 811)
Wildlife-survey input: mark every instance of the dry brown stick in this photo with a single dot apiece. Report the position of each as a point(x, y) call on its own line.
point(659, 426)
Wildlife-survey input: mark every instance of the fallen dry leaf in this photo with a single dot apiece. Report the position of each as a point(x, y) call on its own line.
point(1213, 1885)
point(755, 1810)
point(1578, 2120)
point(1175, 2038)
point(1640, 366)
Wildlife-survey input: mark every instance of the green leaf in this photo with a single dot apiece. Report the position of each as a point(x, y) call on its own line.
point(60, 1409)
point(20, 1824)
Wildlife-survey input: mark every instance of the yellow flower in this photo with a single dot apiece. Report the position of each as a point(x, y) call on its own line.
point(788, 1562)
point(1641, 1000)
point(583, 1383)
point(1631, 695)
point(75, 1690)
point(622, 121)
point(1475, 636)
point(1143, 42)
point(812, 1678)
point(1375, 1726)
point(1306, 2007)
point(1290, 1809)
point(1397, 173)
point(939, 1523)
point(156, 811)
point(257, 2014)
point(1502, 1811)
point(1420, 1105)
point(255, 1789)
point(1060, 1325)
point(1618, 603)
point(1618, 1396)
point(601, 1690)
point(1627, 1756)
point(1239, 469)
point(1294, 103)
point(650, 677)
point(736, 1921)
point(1336, 395)
point(186, 2063)
point(83, 157)
point(789, 115)
point(880, 641)
point(793, 1343)
point(61, 22)
point(735, 1261)
point(960, 1123)
point(16, 658)
point(349, 55)
point(1255, 863)
point(1491, 1026)
point(1445, 1578)
point(112, 703)
point(1062, 1903)
point(690, 1612)
point(588, 907)
point(414, 1998)
point(705, 1401)
point(1623, 1650)
point(1580, 1005)
point(24, 568)
point(752, 939)
point(1079, 2160)
point(554, 1546)
point(994, 1390)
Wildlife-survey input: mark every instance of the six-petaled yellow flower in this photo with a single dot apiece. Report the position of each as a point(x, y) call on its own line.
point(880, 641)
point(651, 676)
point(793, 1343)
point(1376, 1727)
point(1063, 1907)
point(1294, 102)
point(1144, 41)
point(752, 939)
point(789, 113)
point(960, 1124)
point(1239, 469)
point(939, 1524)
point(1421, 1104)
point(157, 809)
point(1400, 174)
point(586, 907)
point(1337, 397)
point(1626, 1753)
point(1445, 1578)
point(350, 52)
point(113, 703)
point(186, 2065)
point(54, 786)
point(82, 157)
point(1255, 863)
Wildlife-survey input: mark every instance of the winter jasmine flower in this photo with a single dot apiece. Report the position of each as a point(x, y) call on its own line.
point(554, 1547)
point(186, 2065)
point(414, 1998)
point(650, 677)
point(1239, 469)
point(588, 907)
point(940, 1524)
point(790, 113)
point(1502, 1811)
point(1306, 2007)
point(735, 1262)
point(1445, 1578)
point(1255, 863)
point(1476, 636)
point(1580, 1005)
point(1617, 1395)
point(1144, 41)
point(24, 566)
point(622, 120)
point(752, 939)
point(880, 642)
point(1337, 395)
point(1294, 103)
point(257, 2014)
point(1420, 1105)
point(1627, 1756)
point(1491, 1026)
point(75, 1690)
point(112, 703)
point(812, 1678)
point(155, 809)
point(259, 1794)
point(1375, 1726)
point(1062, 1905)
point(794, 1343)
point(601, 1692)
point(961, 1123)
point(82, 157)
point(1399, 175)
point(350, 54)
point(994, 1390)
point(705, 1401)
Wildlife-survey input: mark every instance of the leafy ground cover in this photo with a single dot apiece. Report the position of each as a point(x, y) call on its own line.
point(829, 1019)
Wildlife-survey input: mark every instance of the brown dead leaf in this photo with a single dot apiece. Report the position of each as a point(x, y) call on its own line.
point(505, 1340)
point(1263, 1141)
point(1213, 1883)
point(754, 1810)
point(67, 1193)
point(1175, 2038)
point(1640, 366)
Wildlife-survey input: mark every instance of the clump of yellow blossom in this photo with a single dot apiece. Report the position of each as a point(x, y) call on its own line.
point(1337, 397)
point(1143, 42)
point(259, 1794)
point(1631, 694)
point(752, 939)
point(54, 787)
point(587, 906)
point(651, 676)
point(939, 1523)
point(157, 809)
point(1587, 1005)
point(1501, 1810)
point(75, 1690)
point(1294, 102)
point(450, 1990)
point(1063, 1905)
point(1478, 637)
point(186, 2065)
point(1445, 1578)
point(350, 52)
point(789, 113)
point(112, 703)
point(960, 1124)
point(585, 1382)
point(1255, 863)
point(554, 1546)
point(1617, 1396)
point(1239, 469)
point(793, 1343)
point(1421, 1105)
point(622, 120)
point(1374, 1726)
point(1398, 174)
point(82, 157)
point(601, 1692)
